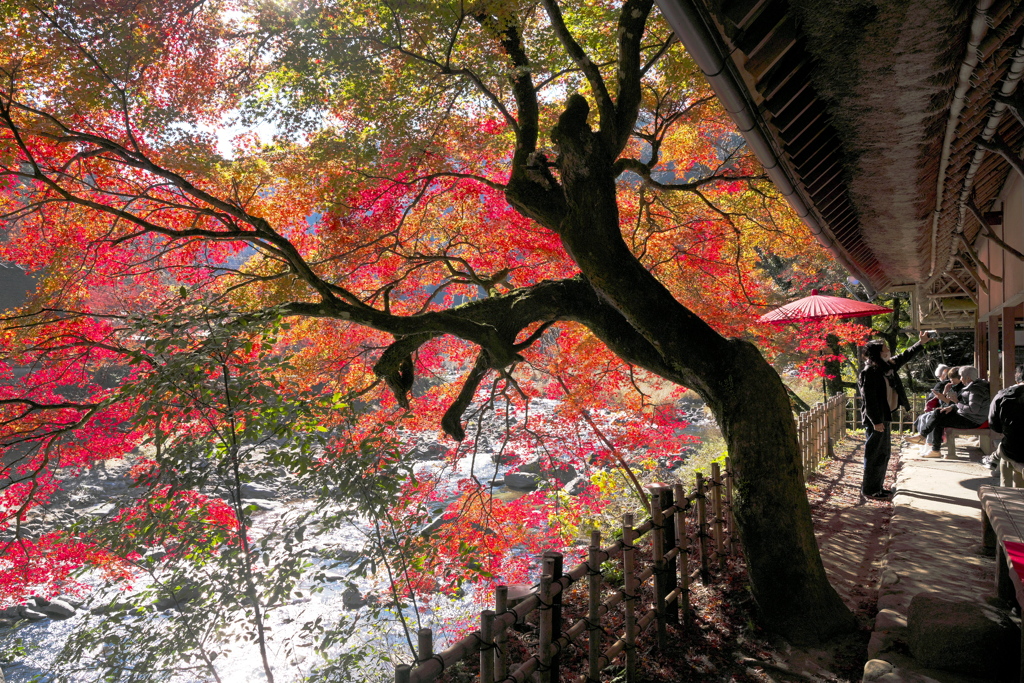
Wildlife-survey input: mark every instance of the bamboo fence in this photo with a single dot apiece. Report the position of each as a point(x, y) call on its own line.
point(818, 429)
point(670, 572)
point(902, 420)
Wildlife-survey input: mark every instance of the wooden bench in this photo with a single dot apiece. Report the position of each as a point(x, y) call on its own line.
point(1002, 521)
point(987, 437)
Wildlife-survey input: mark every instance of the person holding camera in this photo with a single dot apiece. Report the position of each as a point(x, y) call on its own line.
point(882, 393)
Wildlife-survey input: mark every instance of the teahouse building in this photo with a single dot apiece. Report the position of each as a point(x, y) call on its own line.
point(894, 129)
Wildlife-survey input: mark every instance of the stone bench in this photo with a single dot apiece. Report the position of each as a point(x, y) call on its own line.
point(1002, 521)
point(986, 436)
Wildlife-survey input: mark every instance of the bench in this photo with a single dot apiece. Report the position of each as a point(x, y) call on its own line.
point(985, 435)
point(1002, 521)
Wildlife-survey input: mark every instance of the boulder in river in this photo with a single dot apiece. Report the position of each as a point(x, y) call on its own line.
point(529, 475)
point(177, 597)
point(428, 451)
point(57, 609)
point(31, 613)
point(257, 492)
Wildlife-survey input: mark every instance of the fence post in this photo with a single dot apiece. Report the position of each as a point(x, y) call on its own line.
point(553, 565)
point(486, 646)
point(667, 500)
point(544, 638)
point(716, 510)
point(630, 589)
point(702, 530)
point(683, 543)
point(594, 606)
point(730, 528)
point(403, 673)
point(425, 645)
point(660, 575)
point(501, 637)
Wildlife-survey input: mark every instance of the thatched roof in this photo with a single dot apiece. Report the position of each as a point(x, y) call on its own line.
point(855, 98)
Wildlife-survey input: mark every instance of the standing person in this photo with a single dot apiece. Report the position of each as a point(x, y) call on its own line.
point(882, 392)
point(970, 410)
point(1006, 416)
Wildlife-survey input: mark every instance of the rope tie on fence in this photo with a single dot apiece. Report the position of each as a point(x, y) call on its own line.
point(626, 548)
point(484, 646)
point(629, 597)
point(440, 660)
point(593, 572)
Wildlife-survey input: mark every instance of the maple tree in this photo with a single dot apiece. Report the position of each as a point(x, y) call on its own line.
point(465, 210)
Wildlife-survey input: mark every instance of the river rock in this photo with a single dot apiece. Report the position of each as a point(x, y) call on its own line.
point(6, 623)
point(179, 596)
point(30, 613)
point(38, 601)
point(257, 492)
point(428, 451)
point(352, 598)
point(13, 612)
point(112, 608)
point(962, 637)
point(529, 475)
point(58, 609)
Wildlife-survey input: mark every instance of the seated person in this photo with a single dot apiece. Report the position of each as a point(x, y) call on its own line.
point(950, 394)
point(1007, 417)
point(943, 394)
point(934, 398)
point(970, 411)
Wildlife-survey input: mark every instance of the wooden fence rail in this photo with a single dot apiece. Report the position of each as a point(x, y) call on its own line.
point(670, 572)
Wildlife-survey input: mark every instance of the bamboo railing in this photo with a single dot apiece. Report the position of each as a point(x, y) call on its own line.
point(902, 420)
point(670, 571)
point(818, 429)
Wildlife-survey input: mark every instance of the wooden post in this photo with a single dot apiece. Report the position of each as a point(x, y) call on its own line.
point(501, 637)
point(729, 526)
point(702, 530)
point(553, 561)
point(716, 510)
point(544, 640)
point(804, 439)
point(631, 590)
point(487, 646)
point(403, 672)
point(994, 367)
point(683, 543)
point(425, 645)
point(594, 606)
point(661, 589)
point(667, 500)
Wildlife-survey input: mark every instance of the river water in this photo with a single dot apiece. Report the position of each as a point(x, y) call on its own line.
point(380, 632)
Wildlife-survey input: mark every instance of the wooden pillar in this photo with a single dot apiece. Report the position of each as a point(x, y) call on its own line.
point(980, 349)
point(993, 353)
point(1010, 316)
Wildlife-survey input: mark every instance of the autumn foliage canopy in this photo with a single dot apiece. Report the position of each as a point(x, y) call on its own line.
point(252, 222)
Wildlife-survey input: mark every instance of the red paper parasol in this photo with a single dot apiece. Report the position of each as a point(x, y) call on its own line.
point(818, 307)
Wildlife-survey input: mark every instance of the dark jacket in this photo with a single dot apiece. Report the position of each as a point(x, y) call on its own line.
point(872, 387)
point(974, 401)
point(1006, 416)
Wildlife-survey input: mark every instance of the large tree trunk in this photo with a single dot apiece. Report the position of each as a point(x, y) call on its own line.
point(744, 392)
point(774, 517)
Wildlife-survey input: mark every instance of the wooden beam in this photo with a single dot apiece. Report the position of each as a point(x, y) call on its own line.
point(981, 264)
point(963, 286)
